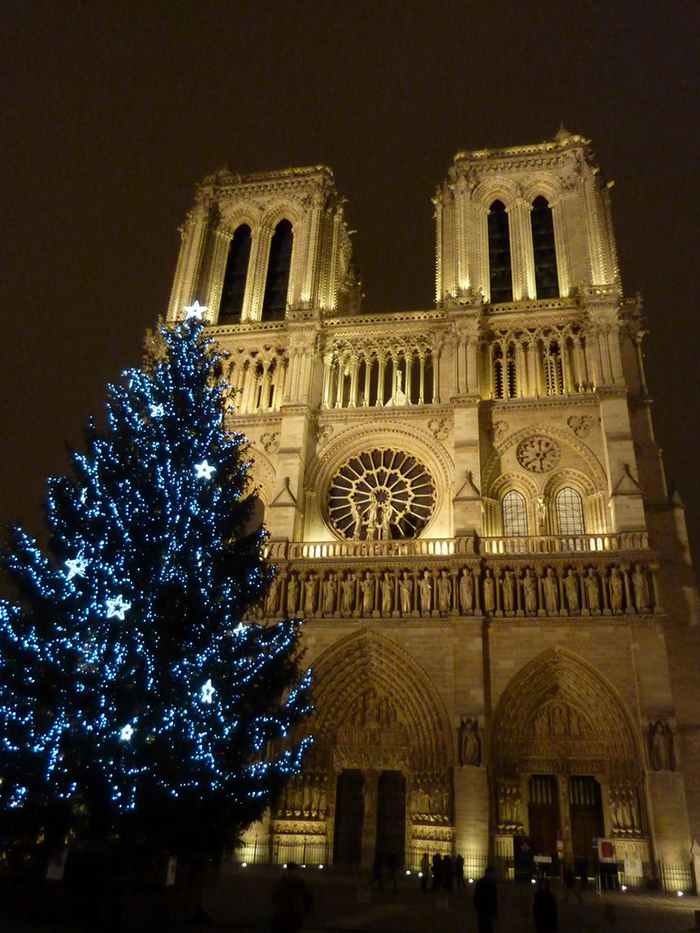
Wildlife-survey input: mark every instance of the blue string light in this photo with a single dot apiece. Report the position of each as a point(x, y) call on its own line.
point(133, 612)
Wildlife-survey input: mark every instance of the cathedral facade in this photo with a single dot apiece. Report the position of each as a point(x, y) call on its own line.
point(467, 505)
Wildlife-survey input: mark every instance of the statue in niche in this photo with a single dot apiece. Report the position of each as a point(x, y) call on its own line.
point(310, 588)
point(469, 743)
point(329, 595)
point(406, 592)
point(641, 589)
point(367, 587)
point(660, 740)
point(508, 591)
point(273, 595)
point(444, 592)
point(592, 590)
point(466, 591)
point(530, 591)
point(292, 594)
point(551, 592)
point(559, 720)
point(615, 590)
point(489, 592)
point(541, 506)
point(426, 592)
point(571, 590)
point(348, 590)
point(387, 586)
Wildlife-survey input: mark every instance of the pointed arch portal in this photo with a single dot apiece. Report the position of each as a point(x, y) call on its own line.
point(562, 745)
point(383, 750)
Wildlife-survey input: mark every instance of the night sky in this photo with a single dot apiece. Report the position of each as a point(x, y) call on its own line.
point(112, 111)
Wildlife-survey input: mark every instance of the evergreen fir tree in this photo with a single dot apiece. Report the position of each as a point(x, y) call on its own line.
point(131, 690)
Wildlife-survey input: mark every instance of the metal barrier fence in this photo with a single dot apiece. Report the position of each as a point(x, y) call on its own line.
point(659, 875)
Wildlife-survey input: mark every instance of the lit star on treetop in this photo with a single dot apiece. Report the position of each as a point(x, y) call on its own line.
point(126, 733)
point(117, 608)
point(157, 411)
point(204, 470)
point(239, 629)
point(208, 692)
point(76, 567)
point(195, 311)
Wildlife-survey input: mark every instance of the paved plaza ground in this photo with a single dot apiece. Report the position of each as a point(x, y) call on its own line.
point(239, 900)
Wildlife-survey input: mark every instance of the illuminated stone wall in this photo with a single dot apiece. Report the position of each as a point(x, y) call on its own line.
point(467, 505)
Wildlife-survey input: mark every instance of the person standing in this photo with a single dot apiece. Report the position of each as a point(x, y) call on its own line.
point(486, 901)
point(459, 870)
point(544, 909)
point(424, 872)
point(292, 901)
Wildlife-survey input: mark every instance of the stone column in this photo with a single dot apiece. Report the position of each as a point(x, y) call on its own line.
point(369, 822)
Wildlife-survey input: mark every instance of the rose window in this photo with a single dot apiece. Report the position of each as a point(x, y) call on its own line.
point(537, 454)
point(381, 494)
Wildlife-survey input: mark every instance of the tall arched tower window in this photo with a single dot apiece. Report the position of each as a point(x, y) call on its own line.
point(514, 514)
point(569, 509)
point(500, 271)
point(544, 249)
point(279, 264)
point(235, 277)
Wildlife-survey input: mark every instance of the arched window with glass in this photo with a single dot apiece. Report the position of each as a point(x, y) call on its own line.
point(568, 506)
point(278, 269)
point(514, 515)
point(500, 267)
point(544, 249)
point(235, 276)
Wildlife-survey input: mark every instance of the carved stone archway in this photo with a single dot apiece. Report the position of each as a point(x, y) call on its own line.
point(376, 711)
point(559, 716)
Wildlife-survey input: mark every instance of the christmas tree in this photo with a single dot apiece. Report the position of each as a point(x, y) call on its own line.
point(132, 693)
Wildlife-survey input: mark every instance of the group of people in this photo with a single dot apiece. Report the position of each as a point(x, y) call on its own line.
point(293, 902)
point(445, 872)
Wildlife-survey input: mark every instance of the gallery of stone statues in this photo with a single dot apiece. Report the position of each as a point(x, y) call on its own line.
point(467, 505)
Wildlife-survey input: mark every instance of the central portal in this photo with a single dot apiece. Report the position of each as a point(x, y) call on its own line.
point(370, 817)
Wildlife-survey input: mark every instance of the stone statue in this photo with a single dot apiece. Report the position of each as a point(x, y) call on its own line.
point(292, 595)
point(489, 592)
point(541, 505)
point(356, 516)
point(469, 744)
point(387, 587)
point(641, 589)
point(508, 591)
point(426, 592)
point(615, 590)
point(273, 595)
point(385, 526)
point(661, 746)
point(406, 592)
point(372, 518)
point(551, 593)
point(466, 591)
point(571, 590)
point(310, 588)
point(329, 594)
point(444, 592)
point(348, 588)
point(592, 590)
point(367, 587)
point(530, 591)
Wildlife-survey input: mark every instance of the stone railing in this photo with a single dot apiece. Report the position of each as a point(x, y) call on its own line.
point(445, 547)
point(564, 544)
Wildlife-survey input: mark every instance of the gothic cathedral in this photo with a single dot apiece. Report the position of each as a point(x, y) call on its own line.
point(468, 507)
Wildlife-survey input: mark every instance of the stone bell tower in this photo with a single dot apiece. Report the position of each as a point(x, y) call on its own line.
point(467, 505)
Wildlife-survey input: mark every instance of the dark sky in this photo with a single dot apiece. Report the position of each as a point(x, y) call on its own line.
point(113, 110)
